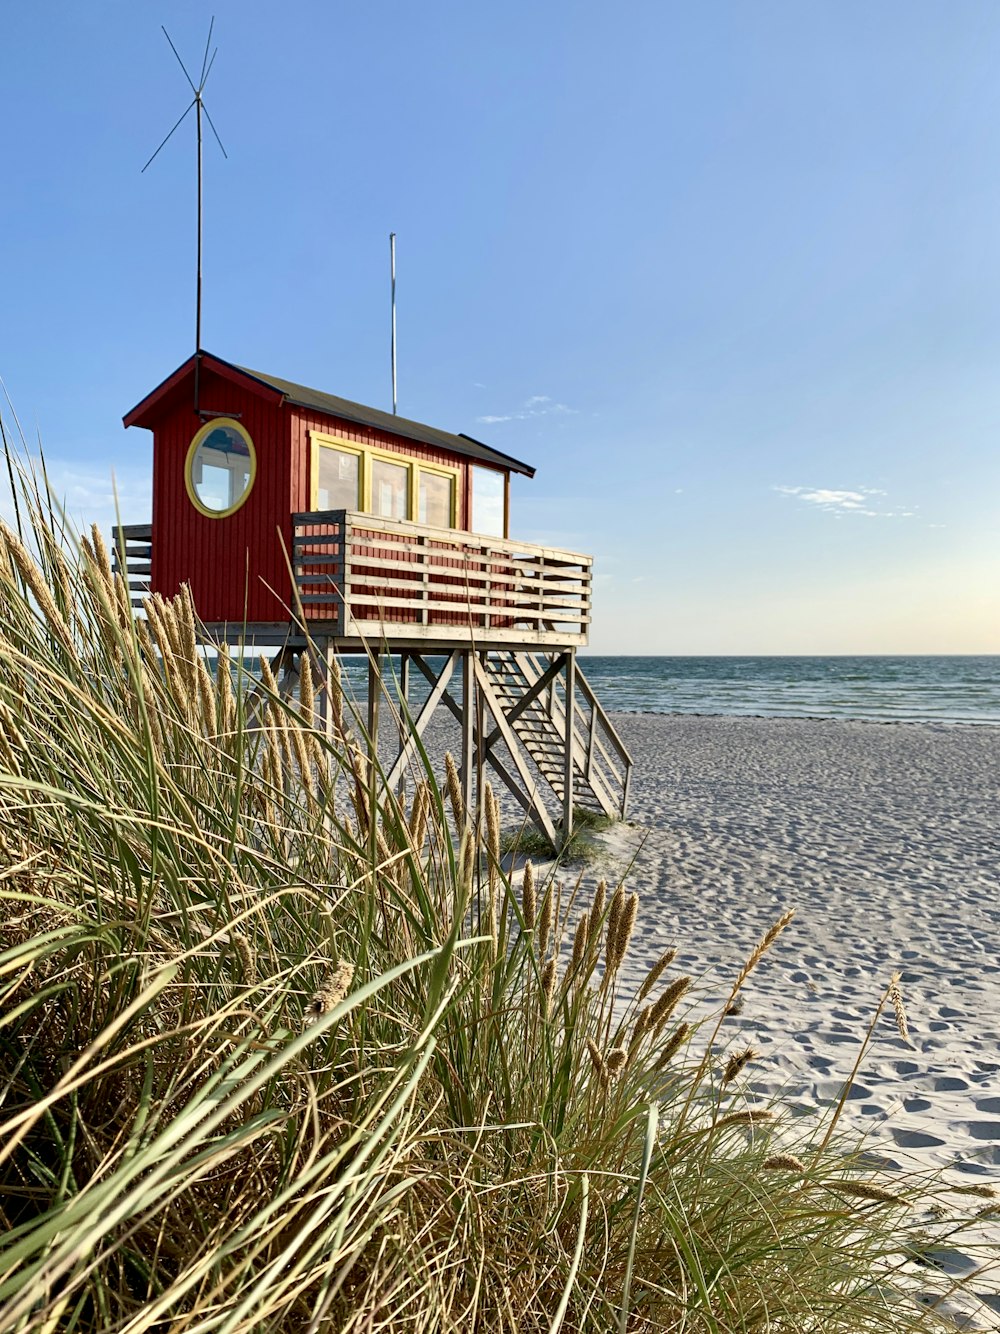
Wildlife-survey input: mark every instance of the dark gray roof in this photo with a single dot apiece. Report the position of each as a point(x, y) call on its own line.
point(304, 397)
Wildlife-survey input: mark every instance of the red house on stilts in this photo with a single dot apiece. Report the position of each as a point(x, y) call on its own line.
point(296, 516)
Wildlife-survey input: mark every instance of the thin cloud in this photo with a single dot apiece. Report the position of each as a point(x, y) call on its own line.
point(538, 405)
point(868, 502)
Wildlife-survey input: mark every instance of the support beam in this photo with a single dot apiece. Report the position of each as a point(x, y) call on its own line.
point(469, 671)
point(374, 693)
point(411, 734)
point(404, 713)
point(326, 703)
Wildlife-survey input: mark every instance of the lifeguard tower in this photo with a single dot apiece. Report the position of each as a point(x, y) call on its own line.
point(292, 513)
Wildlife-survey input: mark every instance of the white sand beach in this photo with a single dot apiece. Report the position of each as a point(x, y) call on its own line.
point(884, 837)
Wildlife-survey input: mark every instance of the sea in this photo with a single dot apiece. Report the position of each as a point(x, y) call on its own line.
point(953, 690)
point(881, 689)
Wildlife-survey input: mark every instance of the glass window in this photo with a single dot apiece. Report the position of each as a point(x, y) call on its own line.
point(488, 502)
point(220, 467)
point(390, 483)
point(337, 487)
point(435, 500)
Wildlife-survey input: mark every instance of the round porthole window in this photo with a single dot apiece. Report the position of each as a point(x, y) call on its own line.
point(220, 469)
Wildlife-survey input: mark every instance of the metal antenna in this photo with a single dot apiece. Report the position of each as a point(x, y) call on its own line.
point(198, 102)
point(392, 270)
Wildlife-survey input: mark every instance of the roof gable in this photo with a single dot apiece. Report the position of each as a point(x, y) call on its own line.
point(298, 395)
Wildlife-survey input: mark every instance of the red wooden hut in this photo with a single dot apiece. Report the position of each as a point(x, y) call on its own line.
point(230, 473)
point(287, 509)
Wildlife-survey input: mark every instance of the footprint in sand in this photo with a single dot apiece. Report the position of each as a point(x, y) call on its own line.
point(914, 1139)
point(916, 1104)
point(950, 1084)
point(904, 1067)
point(988, 1130)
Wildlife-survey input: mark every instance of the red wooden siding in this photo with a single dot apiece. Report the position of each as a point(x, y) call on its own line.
point(232, 564)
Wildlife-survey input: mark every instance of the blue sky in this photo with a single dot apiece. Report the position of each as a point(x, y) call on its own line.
point(727, 273)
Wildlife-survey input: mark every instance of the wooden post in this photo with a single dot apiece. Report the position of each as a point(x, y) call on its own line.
point(568, 753)
point(374, 690)
point(404, 713)
point(468, 726)
point(326, 703)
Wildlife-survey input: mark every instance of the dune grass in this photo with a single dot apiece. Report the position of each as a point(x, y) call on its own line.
point(282, 1052)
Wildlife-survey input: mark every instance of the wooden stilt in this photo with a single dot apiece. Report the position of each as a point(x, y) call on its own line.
point(404, 713)
point(468, 724)
point(570, 706)
point(374, 693)
point(326, 702)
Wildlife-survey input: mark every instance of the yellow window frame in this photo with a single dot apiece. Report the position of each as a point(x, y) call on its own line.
point(366, 455)
point(201, 435)
point(318, 440)
point(436, 470)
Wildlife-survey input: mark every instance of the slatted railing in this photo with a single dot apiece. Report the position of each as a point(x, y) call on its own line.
point(133, 550)
point(369, 577)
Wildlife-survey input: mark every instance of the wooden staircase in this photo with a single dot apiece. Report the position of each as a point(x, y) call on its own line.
point(530, 689)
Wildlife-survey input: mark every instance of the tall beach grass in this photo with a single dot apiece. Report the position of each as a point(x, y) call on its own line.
point(281, 1051)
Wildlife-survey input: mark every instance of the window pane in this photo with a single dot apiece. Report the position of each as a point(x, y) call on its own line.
point(221, 470)
point(338, 480)
point(389, 487)
point(435, 500)
point(487, 502)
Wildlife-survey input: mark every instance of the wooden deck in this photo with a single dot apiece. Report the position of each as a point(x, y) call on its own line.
point(362, 580)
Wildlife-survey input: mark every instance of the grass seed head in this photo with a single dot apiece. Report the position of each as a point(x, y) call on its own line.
point(896, 997)
point(762, 947)
point(668, 1000)
point(600, 899)
point(672, 1045)
point(737, 1063)
point(611, 928)
point(307, 691)
point(597, 1061)
point(492, 808)
point(454, 786)
point(615, 1060)
point(548, 984)
point(331, 993)
point(626, 926)
point(743, 1118)
point(244, 953)
point(784, 1162)
point(529, 904)
point(655, 973)
point(579, 944)
point(864, 1190)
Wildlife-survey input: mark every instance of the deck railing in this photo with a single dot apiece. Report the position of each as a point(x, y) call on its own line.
point(133, 550)
point(364, 577)
point(361, 577)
